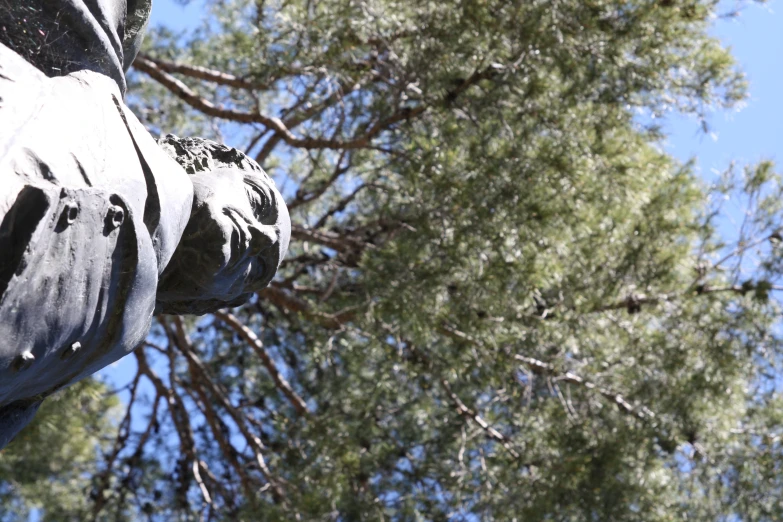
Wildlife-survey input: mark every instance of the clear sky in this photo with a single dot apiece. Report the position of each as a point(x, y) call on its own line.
point(755, 131)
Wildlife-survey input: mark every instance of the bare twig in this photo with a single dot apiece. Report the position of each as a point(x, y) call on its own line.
point(468, 413)
point(542, 368)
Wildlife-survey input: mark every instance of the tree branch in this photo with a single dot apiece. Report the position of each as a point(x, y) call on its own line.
point(303, 197)
point(202, 73)
point(342, 243)
point(633, 302)
point(184, 345)
point(286, 301)
point(283, 131)
point(541, 368)
point(255, 343)
point(466, 412)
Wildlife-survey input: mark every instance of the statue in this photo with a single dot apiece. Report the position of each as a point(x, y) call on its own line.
point(100, 226)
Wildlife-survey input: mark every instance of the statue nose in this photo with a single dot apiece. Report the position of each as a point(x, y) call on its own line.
point(261, 238)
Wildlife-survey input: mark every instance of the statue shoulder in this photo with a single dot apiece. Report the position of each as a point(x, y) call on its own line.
point(169, 189)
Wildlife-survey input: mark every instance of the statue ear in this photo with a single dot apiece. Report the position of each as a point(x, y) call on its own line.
point(136, 20)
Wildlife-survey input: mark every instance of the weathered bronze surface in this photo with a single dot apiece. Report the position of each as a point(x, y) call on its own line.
point(100, 225)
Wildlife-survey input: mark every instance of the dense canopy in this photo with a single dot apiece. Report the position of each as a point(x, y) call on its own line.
point(503, 299)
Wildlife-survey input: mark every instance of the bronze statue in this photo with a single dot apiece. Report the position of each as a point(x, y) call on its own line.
point(100, 226)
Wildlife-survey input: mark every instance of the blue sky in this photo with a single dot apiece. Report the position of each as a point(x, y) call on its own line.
point(755, 131)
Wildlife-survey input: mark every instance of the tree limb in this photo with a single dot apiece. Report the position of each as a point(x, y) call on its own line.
point(202, 73)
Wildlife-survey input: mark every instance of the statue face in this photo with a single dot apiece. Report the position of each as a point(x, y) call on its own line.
point(235, 239)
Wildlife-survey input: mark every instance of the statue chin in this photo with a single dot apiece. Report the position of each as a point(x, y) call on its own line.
point(193, 282)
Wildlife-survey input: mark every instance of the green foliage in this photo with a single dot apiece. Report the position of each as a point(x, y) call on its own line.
point(503, 300)
point(49, 464)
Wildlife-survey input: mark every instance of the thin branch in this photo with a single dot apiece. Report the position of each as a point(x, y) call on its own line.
point(119, 444)
point(204, 404)
point(185, 346)
point(466, 412)
point(202, 73)
point(177, 409)
point(151, 425)
point(258, 347)
point(286, 301)
point(634, 301)
point(200, 482)
point(304, 198)
point(340, 206)
point(342, 243)
point(254, 141)
point(297, 119)
point(542, 368)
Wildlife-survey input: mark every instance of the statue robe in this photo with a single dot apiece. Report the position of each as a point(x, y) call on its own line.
point(91, 210)
point(63, 36)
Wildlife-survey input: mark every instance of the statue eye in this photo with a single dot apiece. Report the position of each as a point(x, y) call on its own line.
point(258, 202)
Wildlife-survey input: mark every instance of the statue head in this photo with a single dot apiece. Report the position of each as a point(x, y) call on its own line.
point(237, 234)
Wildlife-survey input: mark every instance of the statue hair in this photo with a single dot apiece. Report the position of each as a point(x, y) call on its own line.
point(201, 155)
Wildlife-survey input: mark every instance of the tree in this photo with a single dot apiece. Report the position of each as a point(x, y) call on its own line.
point(503, 300)
point(48, 468)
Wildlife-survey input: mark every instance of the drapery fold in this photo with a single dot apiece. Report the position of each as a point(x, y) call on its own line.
point(63, 36)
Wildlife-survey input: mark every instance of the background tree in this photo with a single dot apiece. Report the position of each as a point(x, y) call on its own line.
point(45, 474)
point(502, 301)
